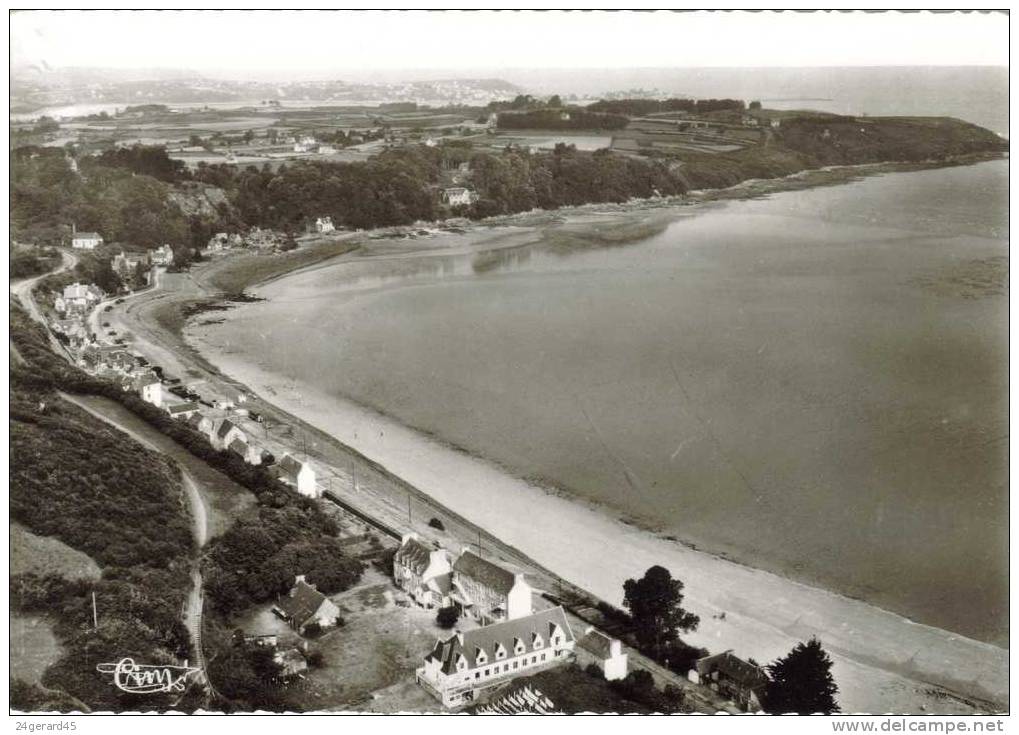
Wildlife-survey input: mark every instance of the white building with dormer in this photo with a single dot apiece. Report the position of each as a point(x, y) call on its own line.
point(460, 667)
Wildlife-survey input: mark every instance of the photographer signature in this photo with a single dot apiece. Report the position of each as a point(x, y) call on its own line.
point(146, 678)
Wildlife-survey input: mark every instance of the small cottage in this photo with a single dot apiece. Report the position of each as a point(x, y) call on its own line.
point(305, 605)
point(740, 681)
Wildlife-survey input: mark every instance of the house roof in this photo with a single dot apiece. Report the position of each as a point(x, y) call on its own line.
point(145, 379)
point(87, 236)
point(596, 642)
point(238, 447)
point(302, 602)
point(507, 634)
point(414, 555)
point(224, 428)
point(182, 407)
point(195, 420)
point(491, 575)
point(290, 466)
point(733, 668)
point(442, 583)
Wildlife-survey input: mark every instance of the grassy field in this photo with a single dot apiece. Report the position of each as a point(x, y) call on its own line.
point(33, 646)
point(575, 691)
point(377, 650)
point(43, 555)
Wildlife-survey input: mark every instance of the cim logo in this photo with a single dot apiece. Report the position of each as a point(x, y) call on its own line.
point(147, 679)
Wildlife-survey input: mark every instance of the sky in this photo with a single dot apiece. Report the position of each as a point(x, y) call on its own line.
point(306, 43)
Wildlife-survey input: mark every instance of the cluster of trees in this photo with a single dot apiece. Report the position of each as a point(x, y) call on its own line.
point(28, 263)
point(108, 196)
point(261, 554)
point(801, 682)
point(556, 119)
point(74, 478)
point(640, 107)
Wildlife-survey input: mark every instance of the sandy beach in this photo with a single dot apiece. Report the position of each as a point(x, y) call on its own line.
point(883, 662)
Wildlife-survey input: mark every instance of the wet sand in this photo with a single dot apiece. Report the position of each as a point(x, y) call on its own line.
point(884, 662)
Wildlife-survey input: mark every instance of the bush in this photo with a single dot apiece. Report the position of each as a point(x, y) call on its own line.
point(593, 670)
point(313, 629)
point(316, 660)
point(446, 617)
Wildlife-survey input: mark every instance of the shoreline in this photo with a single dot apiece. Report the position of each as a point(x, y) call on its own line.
point(856, 663)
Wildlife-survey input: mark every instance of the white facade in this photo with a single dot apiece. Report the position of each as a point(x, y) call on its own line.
point(603, 651)
point(153, 393)
point(86, 240)
point(470, 661)
point(324, 224)
point(458, 197)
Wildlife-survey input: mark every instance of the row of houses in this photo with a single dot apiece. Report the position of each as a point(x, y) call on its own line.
point(256, 238)
point(77, 299)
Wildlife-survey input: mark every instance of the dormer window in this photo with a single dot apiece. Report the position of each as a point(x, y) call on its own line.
point(518, 647)
point(555, 634)
point(480, 657)
point(500, 652)
point(536, 641)
point(461, 663)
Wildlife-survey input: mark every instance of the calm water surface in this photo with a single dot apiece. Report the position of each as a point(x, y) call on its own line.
point(814, 383)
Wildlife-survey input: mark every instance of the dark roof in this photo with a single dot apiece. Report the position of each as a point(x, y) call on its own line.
point(597, 643)
point(507, 634)
point(224, 428)
point(182, 407)
point(238, 447)
point(290, 467)
point(414, 555)
point(301, 603)
point(87, 234)
point(195, 420)
point(491, 575)
point(734, 669)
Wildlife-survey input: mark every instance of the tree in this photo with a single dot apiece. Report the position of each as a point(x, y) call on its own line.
point(447, 617)
point(655, 603)
point(802, 682)
point(555, 101)
point(755, 105)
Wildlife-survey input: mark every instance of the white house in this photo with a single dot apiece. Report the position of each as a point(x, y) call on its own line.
point(163, 255)
point(326, 150)
point(473, 660)
point(299, 475)
point(226, 433)
point(422, 572)
point(86, 240)
point(604, 652)
point(324, 224)
point(149, 388)
point(458, 196)
point(488, 592)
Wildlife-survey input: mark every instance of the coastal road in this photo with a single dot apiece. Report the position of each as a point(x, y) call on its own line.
point(22, 290)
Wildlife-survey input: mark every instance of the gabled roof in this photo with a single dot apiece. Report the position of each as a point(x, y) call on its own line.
point(469, 643)
point(87, 236)
point(734, 668)
point(596, 642)
point(224, 428)
point(491, 575)
point(301, 603)
point(195, 420)
point(290, 467)
point(238, 447)
point(182, 407)
point(414, 555)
